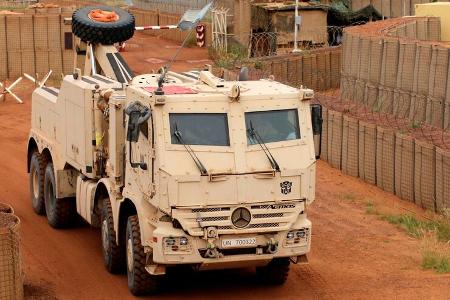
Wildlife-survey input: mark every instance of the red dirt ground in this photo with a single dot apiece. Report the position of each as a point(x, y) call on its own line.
point(145, 53)
point(354, 255)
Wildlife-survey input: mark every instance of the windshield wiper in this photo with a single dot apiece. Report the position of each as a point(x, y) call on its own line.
point(191, 152)
point(255, 135)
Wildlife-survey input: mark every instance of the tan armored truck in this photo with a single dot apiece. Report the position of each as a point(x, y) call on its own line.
point(176, 169)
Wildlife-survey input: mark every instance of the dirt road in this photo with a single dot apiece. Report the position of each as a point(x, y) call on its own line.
point(354, 255)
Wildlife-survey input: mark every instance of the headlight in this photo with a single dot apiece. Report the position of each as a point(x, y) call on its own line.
point(169, 241)
point(183, 241)
point(176, 245)
point(298, 237)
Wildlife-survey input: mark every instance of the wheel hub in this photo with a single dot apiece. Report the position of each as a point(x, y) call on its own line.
point(130, 255)
point(103, 16)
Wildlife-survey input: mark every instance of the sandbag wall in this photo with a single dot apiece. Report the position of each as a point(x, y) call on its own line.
point(35, 42)
point(413, 169)
point(399, 67)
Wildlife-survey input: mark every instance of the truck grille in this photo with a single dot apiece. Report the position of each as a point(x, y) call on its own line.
point(264, 218)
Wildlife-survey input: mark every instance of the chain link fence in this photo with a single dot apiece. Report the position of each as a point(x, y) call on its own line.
point(11, 278)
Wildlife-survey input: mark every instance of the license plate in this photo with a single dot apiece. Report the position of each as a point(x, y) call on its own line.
point(237, 243)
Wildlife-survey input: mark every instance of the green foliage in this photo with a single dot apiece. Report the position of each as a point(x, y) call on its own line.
point(370, 209)
point(237, 55)
point(438, 262)
point(433, 233)
point(417, 228)
point(410, 224)
point(258, 65)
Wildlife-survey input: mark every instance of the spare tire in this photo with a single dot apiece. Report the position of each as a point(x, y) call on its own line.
point(89, 29)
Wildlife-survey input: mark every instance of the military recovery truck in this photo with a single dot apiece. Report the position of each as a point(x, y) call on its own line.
point(175, 168)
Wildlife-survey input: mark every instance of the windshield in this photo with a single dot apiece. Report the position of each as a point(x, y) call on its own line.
point(200, 129)
point(272, 126)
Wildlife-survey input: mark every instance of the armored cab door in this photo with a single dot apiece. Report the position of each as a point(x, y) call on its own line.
point(140, 146)
point(145, 150)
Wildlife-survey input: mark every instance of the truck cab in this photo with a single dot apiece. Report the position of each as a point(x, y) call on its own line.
point(231, 177)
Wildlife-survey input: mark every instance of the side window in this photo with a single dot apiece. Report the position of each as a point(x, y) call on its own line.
point(272, 126)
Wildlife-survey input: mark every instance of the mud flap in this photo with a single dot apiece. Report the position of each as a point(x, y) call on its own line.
point(66, 183)
point(300, 260)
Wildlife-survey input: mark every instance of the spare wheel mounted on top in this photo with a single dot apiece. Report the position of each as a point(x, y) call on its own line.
point(103, 24)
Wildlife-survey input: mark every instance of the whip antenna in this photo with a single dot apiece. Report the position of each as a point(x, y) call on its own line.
point(188, 21)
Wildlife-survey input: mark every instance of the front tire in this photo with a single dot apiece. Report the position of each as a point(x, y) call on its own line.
point(37, 174)
point(113, 254)
point(276, 272)
point(60, 212)
point(140, 282)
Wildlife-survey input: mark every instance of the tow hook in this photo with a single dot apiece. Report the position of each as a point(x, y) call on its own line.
point(272, 246)
point(212, 252)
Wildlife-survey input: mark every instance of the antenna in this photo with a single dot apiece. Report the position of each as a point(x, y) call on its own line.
point(188, 21)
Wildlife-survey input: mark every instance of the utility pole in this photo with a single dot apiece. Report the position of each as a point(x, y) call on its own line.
point(297, 27)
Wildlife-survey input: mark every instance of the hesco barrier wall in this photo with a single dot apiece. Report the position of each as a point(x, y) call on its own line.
point(400, 67)
point(317, 69)
point(391, 8)
point(395, 160)
point(35, 42)
point(11, 278)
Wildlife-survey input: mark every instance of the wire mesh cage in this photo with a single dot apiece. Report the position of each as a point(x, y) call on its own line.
point(11, 279)
point(6, 208)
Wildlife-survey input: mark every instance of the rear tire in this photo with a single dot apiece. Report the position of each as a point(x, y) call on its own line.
point(113, 254)
point(37, 175)
point(140, 282)
point(275, 273)
point(60, 212)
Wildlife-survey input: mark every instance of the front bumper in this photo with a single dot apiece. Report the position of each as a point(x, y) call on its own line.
point(228, 257)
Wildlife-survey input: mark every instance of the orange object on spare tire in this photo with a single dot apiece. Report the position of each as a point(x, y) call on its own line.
point(103, 15)
point(103, 24)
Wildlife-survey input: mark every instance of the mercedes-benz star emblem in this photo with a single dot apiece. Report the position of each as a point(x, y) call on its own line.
point(241, 217)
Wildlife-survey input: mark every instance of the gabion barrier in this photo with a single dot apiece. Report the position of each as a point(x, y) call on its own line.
point(424, 175)
point(442, 179)
point(350, 146)
point(397, 162)
point(11, 279)
point(6, 208)
point(324, 144)
point(385, 159)
point(404, 166)
point(367, 152)
point(398, 66)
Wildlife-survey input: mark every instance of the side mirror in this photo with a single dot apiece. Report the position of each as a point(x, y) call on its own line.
point(317, 120)
point(137, 115)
